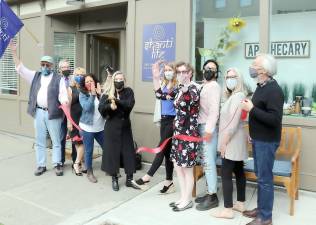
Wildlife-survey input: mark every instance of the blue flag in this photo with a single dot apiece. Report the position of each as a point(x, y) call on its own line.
point(10, 25)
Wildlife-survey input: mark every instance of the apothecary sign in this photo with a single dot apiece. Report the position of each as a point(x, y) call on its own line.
point(284, 49)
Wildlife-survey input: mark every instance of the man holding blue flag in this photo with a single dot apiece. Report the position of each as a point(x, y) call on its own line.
point(48, 91)
point(10, 25)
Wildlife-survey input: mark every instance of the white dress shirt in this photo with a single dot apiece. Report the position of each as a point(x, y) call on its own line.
point(28, 75)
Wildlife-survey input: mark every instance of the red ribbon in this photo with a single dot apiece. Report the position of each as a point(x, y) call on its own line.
point(165, 142)
point(67, 114)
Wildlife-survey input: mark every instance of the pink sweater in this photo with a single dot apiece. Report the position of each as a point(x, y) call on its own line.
point(209, 105)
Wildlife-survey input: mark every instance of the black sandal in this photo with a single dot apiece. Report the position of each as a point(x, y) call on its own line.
point(140, 181)
point(165, 189)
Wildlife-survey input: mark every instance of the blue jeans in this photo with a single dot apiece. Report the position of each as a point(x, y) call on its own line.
point(88, 143)
point(209, 152)
point(263, 155)
point(42, 124)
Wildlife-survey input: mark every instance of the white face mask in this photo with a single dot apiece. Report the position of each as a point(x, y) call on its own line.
point(169, 75)
point(181, 79)
point(231, 83)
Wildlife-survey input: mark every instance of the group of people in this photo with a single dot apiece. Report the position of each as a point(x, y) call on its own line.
point(103, 114)
point(203, 121)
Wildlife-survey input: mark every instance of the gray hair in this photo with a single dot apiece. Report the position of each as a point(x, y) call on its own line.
point(269, 64)
point(63, 61)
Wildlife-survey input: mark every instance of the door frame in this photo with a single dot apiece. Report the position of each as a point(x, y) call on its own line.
point(89, 50)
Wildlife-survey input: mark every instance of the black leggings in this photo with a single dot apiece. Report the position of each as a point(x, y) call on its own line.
point(166, 131)
point(228, 167)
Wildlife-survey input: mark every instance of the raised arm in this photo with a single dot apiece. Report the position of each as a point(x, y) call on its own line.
point(156, 74)
point(24, 72)
point(14, 53)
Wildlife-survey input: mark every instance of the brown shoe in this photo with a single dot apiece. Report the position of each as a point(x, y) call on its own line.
point(251, 213)
point(91, 176)
point(259, 221)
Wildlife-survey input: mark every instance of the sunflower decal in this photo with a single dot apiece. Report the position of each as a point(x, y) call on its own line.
point(225, 42)
point(235, 24)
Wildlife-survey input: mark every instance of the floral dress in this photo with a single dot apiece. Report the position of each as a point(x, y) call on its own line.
point(186, 122)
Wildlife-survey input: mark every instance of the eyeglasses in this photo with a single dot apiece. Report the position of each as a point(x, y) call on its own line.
point(182, 72)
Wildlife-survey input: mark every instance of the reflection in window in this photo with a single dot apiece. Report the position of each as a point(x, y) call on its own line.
point(245, 3)
point(292, 46)
point(209, 25)
point(219, 4)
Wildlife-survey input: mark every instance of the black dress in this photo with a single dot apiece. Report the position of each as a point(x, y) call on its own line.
point(75, 112)
point(118, 141)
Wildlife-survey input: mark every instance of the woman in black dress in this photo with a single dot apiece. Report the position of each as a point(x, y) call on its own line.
point(75, 112)
point(115, 106)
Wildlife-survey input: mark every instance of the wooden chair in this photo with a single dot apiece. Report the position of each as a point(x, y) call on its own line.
point(286, 168)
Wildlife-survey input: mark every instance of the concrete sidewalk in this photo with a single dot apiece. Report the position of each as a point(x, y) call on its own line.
point(68, 200)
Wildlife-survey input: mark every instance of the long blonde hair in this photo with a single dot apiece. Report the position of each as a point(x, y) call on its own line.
point(108, 86)
point(165, 81)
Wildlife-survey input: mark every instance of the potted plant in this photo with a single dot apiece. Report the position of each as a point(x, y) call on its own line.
point(314, 92)
point(298, 90)
point(285, 90)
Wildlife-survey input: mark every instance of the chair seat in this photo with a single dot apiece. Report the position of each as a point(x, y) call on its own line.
point(281, 167)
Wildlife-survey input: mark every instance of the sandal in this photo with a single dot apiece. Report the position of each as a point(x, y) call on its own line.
point(140, 181)
point(168, 189)
point(76, 168)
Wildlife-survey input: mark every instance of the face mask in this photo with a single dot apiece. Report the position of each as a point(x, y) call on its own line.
point(169, 75)
point(253, 72)
point(46, 71)
point(231, 83)
point(66, 73)
point(181, 79)
point(78, 78)
point(118, 84)
point(209, 75)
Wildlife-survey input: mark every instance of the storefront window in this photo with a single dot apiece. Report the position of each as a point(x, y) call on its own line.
point(292, 36)
point(64, 48)
point(8, 75)
point(217, 37)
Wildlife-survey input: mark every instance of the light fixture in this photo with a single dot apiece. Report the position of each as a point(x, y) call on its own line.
point(74, 2)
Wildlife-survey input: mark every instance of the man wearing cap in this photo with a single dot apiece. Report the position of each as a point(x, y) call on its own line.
point(47, 92)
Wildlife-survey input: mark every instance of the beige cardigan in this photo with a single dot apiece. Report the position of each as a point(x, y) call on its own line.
point(230, 124)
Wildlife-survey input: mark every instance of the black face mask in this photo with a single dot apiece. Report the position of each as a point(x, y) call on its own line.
point(209, 75)
point(118, 84)
point(66, 73)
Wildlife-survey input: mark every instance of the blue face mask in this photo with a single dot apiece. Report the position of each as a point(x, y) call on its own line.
point(78, 79)
point(231, 83)
point(46, 71)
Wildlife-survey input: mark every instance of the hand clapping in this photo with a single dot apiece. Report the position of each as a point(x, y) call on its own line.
point(113, 105)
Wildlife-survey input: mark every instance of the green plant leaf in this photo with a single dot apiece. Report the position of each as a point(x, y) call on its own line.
point(230, 45)
point(206, 52)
